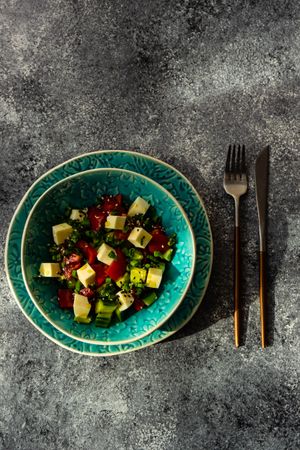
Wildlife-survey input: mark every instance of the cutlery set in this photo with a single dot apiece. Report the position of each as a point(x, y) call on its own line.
point(235, 184)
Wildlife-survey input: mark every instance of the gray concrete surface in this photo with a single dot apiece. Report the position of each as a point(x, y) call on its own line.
point(178, 80)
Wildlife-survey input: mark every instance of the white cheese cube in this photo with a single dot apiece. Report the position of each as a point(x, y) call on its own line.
point(81, 306)
point(61, 232)
point(139, 206)
point(125, 300)
point(154, 277)
point(115, 222)
point(86, 275)
point(77, 214)
point(49, 269)
point(139, 237)
point(105, 253)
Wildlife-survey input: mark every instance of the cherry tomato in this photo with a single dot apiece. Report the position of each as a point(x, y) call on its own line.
point(100, 270)
point(159, 242)
point(121, 235)
point(138, 304)
point(112, 203)
point(65, 298)
point(96, 217)
point(74, 259)
point(72, 262)
point(89, 252)
point(117, 267)
point(87, 292)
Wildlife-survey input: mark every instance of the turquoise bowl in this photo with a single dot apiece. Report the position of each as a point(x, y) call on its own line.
point(79, 191)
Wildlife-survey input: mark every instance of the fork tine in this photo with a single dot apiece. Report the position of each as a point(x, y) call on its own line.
point(238, 161)
point(233, 166)
point(243, 159)
point(227, 167)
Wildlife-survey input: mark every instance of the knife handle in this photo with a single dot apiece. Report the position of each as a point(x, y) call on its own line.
point(237, 286)
point(262, 296)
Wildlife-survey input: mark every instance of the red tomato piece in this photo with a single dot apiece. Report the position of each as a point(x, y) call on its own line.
point(100, 270)
point(121, 235)
point(117, 267)
point(87, 292)
point(65, 298)
point(89, 252)
point(138, 304)
point(96, 217)
point(67, 270)
point(74, 259)
point(72, 262)
point(112, 203)
point(157, 230)
point(159, 242)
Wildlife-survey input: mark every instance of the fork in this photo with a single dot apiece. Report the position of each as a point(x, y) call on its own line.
point(235, 184)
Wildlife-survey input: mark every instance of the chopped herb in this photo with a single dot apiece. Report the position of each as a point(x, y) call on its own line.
point(112, 255)
point(77, 286)
point(172, 239)
point(71, 284)
point(75, 236)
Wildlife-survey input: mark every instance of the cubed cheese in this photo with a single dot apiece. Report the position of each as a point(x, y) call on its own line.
point(86, 275)
point(115, 222)
point(125, 299)
point(139, 206)
point(77, 214)
point(49, 269)
point(105, 253)
point(154, 277)
point(139, 237)
point(61, 232)
point(138, 275)
point(81, 306)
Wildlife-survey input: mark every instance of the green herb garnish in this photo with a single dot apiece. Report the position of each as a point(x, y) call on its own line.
point(112, 255)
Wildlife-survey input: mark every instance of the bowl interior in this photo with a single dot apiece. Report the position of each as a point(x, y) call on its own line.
point(79, 191)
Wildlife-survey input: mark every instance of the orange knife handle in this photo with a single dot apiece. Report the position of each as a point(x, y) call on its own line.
point(262, 296)
point(237, 266)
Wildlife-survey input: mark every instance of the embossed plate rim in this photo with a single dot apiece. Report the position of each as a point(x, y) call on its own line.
point(177, 304)
point(112, 352)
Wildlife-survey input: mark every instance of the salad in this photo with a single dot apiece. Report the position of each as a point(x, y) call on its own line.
point(109, 259)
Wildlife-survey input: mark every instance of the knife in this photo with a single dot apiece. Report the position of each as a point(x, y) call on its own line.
point(261, 183)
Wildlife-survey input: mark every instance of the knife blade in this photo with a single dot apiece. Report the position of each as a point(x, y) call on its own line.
point(261, 184)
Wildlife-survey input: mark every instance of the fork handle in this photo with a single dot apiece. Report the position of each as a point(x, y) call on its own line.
point(262, 296)
point(237, 286)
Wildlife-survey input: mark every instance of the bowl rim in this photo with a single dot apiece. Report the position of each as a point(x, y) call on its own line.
point(178, 303)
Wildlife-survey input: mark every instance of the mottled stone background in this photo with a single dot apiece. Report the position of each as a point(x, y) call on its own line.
point(179, 80)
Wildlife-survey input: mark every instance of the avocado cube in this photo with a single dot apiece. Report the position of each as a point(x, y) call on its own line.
point(138, 275)
point(122, 280)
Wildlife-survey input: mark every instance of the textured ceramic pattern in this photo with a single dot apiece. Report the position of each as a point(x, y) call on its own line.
point(167, 177)
point(80, 191)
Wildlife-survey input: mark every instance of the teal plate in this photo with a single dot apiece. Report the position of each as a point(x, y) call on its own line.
point(163, 174)
point(81, 190)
